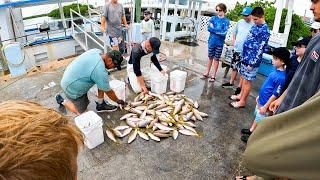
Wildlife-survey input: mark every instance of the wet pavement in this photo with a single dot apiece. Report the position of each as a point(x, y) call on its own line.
point(216, 154)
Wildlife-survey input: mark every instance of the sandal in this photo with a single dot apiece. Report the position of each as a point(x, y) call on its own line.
point(241, 178)
point(212, 79)
point(234, 98)
point(204, 76)
point(236, 105)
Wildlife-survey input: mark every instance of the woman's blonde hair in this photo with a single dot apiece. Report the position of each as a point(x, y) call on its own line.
point(37, 143)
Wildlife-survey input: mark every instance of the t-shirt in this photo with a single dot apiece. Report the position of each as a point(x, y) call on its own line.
point(241, 31)
point(273, 85)
point(85, 71)
point(113, 14)
point(135, 58)
point(218, 28)
point(147, 26)
point(255, 44)
point(306, 81)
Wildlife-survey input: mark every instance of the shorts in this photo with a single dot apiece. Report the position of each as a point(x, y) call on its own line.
point(215, 52)
point(258, 116)
point(248, 75)
point(235, 61)
point(81, 103)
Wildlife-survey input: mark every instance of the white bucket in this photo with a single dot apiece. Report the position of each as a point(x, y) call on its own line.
point(119, 87)
point(90, 125)
point(177, 80)
point(164, 67)
point(159, 84)
point(15, 58)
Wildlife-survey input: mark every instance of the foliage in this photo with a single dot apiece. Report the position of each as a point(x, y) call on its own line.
point(298, 28)
point(35, 16)
point(66, 9)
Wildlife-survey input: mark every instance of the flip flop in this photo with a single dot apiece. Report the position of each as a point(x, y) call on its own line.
point(212, 79)
point(236, 105)
point(204, 76)
point(234, 98)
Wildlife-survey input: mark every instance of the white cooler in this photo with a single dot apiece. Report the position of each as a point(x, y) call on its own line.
point(177, 80)
point(90, 125)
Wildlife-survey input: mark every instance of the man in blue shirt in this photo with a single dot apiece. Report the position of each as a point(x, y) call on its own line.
point(240, 34)
point(85, 71)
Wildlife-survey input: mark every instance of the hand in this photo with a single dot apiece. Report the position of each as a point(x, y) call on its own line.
point(274, 105)
point(127, 26)
point(102, 30)
point(145, 90)
point(249, 68)
point(163, 72)
point(263, 110)
point(121, 102)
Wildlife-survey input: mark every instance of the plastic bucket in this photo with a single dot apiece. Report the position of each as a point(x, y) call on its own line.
point(90, 125)
point(119, 87)
point(159, 84)
point(177, 80)
point(15, 58)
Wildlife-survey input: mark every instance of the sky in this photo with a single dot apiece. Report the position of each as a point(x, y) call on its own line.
point(300, 7)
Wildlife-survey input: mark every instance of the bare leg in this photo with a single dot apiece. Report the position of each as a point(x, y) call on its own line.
point(71, 107)
point(240, 85)
point(245, 91)
point(215, 67)
point(209, 64)
point(240, 82)
point(253, 126)
point(233, 76)
point(100, 94)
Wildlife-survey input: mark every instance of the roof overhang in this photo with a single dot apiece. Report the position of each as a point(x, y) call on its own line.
point(28, 3)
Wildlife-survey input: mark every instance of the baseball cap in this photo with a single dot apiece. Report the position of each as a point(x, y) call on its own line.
point(155, 44)
point(281, 53)
point(246, 11)
point(302, 41)
point(315, 25)
point(116, 58)
point(146, 12)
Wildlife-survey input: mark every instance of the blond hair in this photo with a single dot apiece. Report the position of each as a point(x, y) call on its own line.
point(37, 143)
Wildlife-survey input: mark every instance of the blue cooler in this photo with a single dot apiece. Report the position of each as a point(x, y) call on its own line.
point(266, 66)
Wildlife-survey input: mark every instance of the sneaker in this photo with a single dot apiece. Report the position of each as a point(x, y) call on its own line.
point(246, 131)
point(59, 99)
point(238, 90)
point(245, 138)
point(227, 85)
point(104, 107)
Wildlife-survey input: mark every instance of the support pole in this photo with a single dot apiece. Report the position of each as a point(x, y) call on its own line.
point(138, 10)
point(3, 63)
point(277, 19)
point(288, 22)
point(62, 15)
point(162, 16)
point(165, 17)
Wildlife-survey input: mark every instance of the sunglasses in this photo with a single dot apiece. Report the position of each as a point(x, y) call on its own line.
point(218, 10)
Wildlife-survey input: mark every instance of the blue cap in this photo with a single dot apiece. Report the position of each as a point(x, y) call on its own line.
point(246, 11)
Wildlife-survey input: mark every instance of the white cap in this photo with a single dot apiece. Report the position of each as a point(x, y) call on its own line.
point(315, 25)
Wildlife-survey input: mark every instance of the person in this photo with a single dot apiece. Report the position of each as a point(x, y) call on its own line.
point(271, 89)
point(253, 48)
point(147, 26)
point(240, 34)
point(85, 71)
point(300, 48)
point(37, 143)
point(315, 28)
point(218, 27)
point(290, 138)
point(135, 76)
point(111, 23)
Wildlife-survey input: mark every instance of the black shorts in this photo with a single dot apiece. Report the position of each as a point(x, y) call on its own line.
point(81, 103)
point(235, 62)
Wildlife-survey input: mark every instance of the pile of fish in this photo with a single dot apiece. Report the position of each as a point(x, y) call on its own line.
point(154, 116)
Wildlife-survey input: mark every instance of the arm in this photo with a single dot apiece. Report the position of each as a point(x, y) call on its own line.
point(264, 108)
point(234, 34)
point(152, 27)
point(124, 19)
point(275, 104)
point(136, 69)
point(103, 24)
point(265, 38)
point(155, 61)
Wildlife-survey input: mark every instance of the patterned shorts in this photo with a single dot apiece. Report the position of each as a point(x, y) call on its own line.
point(235, 62)
point(215, 52)
point(248, 75)
point(258, 116)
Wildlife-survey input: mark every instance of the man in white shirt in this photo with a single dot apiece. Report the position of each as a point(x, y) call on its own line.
point(147, 26)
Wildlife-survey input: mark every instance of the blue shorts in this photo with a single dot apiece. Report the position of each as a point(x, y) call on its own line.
point(248, 75)
point(258, 116)
point(215, 52)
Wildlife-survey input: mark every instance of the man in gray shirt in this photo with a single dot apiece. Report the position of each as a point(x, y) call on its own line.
point(111, 22)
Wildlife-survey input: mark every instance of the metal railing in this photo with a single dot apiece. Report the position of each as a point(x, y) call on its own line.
point(85, 20)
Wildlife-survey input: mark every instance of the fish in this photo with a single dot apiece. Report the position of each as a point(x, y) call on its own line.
point(180, 126)
point(141, 108)
point(190, 124)
point(111, 135)
point(134, 119)
point(193, 118)
point(196, 104)
point(152, 123)
point(143, 123)
point(143, 115)
point(161, 126)
point(151, 112)
point(165, 109)
point(126, 132)
point(161, 106)
point(120, 128)
point(190, 128)
point(132, 136)
point(187, 132)
point(135, 104)
point(178, 107)
point(153, 137)
point(197, 115)
point(162, 131)
point(127, 116)
point(202, 114)
point(175, 134)
point(162, 135)
point(164, 123)
point(131, 124)
point(136, 111)
point(151, 106)
point(189, 115)
point(143, 135)
point(117, 133)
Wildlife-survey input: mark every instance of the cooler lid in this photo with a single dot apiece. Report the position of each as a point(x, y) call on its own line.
point(88, 120)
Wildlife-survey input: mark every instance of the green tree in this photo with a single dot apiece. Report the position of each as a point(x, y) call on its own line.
point(66, 9)
point(298, 28)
